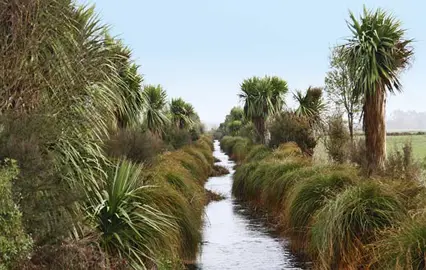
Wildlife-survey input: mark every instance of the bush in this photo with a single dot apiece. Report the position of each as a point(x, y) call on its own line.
point(134, 145)
point(400, 164)
point(359, 153)
point(177, 138)
point(14, 243)
point(337, 142)
point(78, 254)
point(288, 127)
point(350, 221)
point(46, 199)
point(129, 224)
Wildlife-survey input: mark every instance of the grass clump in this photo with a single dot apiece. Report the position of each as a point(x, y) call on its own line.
point(235, 147)
point(309, 196)
point(402, 248)
point(350, 221)
point(257, 153)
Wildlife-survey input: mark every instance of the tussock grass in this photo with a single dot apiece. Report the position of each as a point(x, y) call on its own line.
point(402, 248)
point(257, 153)
point(332, 213)
point(309, 196)
point(350, 221)
point(236, 147)
point(181, 175)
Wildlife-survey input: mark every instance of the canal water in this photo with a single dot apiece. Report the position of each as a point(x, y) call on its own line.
point(232, 239)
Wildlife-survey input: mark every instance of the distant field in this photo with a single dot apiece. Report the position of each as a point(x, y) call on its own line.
point(418, 143)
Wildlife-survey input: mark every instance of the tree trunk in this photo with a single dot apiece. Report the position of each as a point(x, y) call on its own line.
point(259, 123)
point(351, 125)
point(375, 131)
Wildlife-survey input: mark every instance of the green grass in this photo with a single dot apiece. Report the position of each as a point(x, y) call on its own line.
point(418, 143)
point(350, 221)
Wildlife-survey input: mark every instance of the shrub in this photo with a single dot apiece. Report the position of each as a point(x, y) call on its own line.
point(358, 153)
point(45, 198)
point(177, 138)
point(78, 254)
point(337, 142)
point(134, 145)
point(288, 127)
point(130, 225)
point(350, 221)
point(400, 164)
point(14, 243)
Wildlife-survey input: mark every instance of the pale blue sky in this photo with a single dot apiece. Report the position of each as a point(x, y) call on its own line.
point(201, 50)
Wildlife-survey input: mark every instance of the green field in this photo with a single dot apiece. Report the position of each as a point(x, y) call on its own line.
point(418, 143)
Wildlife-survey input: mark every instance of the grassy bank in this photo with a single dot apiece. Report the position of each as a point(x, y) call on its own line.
point(335, 216)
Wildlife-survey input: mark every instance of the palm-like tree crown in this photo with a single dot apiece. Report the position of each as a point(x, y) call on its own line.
point(183, 113)
point(310, 104)
point(154, 114)
point(377, 52)
point(262, 96)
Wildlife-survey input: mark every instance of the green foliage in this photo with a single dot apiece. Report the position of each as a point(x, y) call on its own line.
point(257, 153)
point(402, 165)
point(377, 51)
point(339, 86)
point(129, 225)
point(154, 114)
point(45, 199)
point(15, 245)
point(134, 145)
point(289, 127)
point(177, 138)
point(337, 142)
point(236, 147)
point(311, 104)
point(310, 195)
point(262, 97)
point(182, 113)
point(351, 220)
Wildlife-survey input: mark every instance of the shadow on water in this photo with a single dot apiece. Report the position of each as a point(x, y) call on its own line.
point(233, 238)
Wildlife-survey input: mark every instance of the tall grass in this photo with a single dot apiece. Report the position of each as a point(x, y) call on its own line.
point(402, 248)
point(182, 174)
point(309, 196)
point(350, 221)
point(236, 147)
point(331, 212)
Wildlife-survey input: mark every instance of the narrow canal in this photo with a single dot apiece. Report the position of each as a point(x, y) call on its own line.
point(232, 239)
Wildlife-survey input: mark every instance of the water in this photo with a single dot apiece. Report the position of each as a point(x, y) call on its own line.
point(232, 239)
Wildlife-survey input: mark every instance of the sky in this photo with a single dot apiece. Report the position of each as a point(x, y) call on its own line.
point(201, 50)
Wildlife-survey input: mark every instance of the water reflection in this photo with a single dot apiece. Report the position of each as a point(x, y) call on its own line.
point(232, 239)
